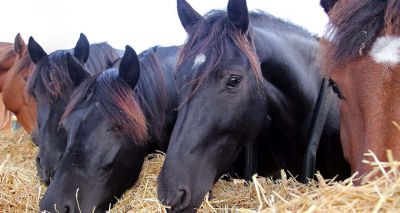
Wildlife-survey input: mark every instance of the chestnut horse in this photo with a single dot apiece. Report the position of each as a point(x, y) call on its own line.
point(7, 59)
point(15, 69)
point(361, 56)
point(5, 116)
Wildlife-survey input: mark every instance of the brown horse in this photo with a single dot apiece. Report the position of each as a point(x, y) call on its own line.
point(5, 116)
point(7, 59)
point(361, 55)
point(15, 69)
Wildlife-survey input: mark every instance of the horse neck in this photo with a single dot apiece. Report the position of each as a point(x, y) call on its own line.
point(101, 57)
point(6, 51)
point(3, 77)
point(292, 75)
point(158, 98)
point(5, 48)
point(23, 67)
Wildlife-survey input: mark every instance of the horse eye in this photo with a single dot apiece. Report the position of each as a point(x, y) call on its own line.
point(336, 89)
point(76, 159)
point(115, 127)
point(233, 82)
point(108, 166)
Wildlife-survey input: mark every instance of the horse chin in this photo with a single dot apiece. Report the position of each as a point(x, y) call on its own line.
point(45, 178)
point(70, 206)
point(183, 200)
point(68, 200)
point(45, 175)
point(186, 193)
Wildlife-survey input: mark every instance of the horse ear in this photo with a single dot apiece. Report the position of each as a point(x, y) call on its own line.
point(238, 14)
point(76, 71)
point(327, 5)
point(35, 51)
point(188, 16)
point(129, 69)
point(19, 45)
point(81, 50)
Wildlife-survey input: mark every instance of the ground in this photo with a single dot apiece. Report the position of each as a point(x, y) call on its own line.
point(21, 190)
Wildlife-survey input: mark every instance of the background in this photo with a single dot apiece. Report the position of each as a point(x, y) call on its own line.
point(56, 24)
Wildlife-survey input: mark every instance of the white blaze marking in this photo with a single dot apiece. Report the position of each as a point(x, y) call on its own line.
point(386, 50)
point(199, 60)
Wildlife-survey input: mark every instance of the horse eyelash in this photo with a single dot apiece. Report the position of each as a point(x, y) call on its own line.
point(336, 90)
point(114, 126)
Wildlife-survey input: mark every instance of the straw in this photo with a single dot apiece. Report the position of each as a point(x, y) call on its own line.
point(21, 190)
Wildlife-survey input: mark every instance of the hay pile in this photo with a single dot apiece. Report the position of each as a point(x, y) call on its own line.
point(20, 189)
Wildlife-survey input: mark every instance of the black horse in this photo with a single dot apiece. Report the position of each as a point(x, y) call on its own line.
point(243, 78)
point(51, 84)
point(327, 5)
point(112, 121)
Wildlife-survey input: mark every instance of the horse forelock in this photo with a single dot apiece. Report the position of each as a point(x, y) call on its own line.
point(210, 38)
point(355, 25)
point(392, 17)
point(52, 75)
point(152, 92)
point(117, 101)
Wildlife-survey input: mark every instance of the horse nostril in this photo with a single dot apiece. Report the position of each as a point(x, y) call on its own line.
point(183, 199)
point(66, 209)
point(38, 161)
point(34, 138)
point(46, 180)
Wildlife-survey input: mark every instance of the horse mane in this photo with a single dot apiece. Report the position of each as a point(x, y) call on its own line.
point(53, 76)
point(6, 44)
point(354, 26)
point(267, 21)
point(117, 101)
point(152, 93)
point(101, 57)
point(6, 51)
point(129, 108)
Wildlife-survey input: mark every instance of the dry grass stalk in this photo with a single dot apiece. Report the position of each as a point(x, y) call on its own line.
point(21, 190)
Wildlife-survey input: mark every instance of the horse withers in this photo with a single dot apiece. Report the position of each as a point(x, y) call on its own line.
point(113, 120)
point(243, 78)
point(51, 84)
point(361, 55)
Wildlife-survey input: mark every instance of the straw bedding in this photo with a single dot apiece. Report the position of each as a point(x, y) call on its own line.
point(21, 190)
